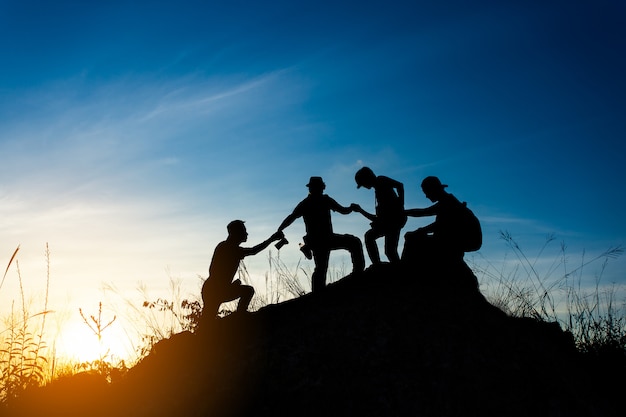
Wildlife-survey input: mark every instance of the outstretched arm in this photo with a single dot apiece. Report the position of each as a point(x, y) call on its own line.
point(357, 208)
point(422, 230)
point(288, 220)
point(335, 206)
point(258, 248)
point(415, 212)
point(421, 212)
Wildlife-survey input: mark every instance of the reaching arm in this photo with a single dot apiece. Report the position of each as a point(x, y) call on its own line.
point(416, 212)
point(288, 220)
point(335, 206)
point(421, 231)
point(258, 248)
point(357, 208)
point(421, 212)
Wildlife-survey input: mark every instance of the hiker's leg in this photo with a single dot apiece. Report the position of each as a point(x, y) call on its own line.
point(318, 279)
point(370, 244)
point(210, 309)
point(246, 293)
point(238, 291)
point(353, 245)
point(391, 244)
point(210, 300)
point(409, 246)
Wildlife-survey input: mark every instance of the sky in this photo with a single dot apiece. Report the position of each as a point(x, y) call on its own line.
point(132, 132)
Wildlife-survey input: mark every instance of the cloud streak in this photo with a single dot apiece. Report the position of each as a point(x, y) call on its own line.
point(121, 180)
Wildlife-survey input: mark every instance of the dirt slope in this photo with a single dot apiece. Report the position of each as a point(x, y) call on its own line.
point(395, 341)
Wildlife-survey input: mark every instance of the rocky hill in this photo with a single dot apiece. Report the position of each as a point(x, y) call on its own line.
point(395, 341)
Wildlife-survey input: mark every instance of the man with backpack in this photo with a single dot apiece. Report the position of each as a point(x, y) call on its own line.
point(456, 229)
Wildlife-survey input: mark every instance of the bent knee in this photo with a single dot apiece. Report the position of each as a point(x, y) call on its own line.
point(369, 236)
point(355, 241)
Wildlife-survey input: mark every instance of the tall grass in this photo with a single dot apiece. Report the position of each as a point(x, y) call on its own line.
point(282, 282)
point(24, 353)
point(26, 358)
point(522, 286)
point(153, 319)
point(554, 291)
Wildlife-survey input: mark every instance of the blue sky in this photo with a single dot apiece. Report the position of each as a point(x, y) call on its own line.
point(131, 133)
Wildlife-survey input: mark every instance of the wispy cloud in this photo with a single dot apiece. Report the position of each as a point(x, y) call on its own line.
point(96, 171)
point(210, 96)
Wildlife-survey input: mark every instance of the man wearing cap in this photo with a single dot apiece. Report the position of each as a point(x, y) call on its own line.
point(445, 235)
point(320, 239)
point(389, 218)
point(219, 287)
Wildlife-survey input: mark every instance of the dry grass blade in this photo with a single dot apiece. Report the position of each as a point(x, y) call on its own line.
point(9, 265)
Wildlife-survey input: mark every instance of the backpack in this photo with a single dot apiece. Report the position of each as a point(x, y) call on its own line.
point(471, 235)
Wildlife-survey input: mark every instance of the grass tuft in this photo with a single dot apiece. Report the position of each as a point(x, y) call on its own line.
point(556, 292)
point(24, 355)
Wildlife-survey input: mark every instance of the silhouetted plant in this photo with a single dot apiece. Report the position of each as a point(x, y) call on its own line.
point(96, 325)
point(104, 364)
point(281, 282)
point(6, 271)
point(555, 293)
point(23, 360)
point(188, 314)
point(160, 318)
point(594, 318)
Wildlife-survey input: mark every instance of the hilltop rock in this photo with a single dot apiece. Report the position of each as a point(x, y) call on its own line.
point(393, 341)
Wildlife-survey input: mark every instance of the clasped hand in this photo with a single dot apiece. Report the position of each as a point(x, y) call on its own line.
point(278, 236)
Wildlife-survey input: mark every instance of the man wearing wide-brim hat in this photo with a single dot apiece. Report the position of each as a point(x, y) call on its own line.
point(320, 238)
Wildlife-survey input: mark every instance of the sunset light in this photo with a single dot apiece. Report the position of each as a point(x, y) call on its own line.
point(77, 344)
point(133, 133)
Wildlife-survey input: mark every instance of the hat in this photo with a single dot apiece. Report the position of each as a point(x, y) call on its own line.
point(433, 183)
point(316, 181)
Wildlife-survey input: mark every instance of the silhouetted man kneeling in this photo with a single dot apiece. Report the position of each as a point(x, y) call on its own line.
point(219, 287)
point(320, 239)
point(455, 230)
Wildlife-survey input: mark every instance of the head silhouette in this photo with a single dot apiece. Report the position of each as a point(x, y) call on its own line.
point(316, 185)
point(433, 188)
point(237, 231)
point(365, 177)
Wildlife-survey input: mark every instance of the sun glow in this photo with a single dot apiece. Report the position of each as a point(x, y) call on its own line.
point(78, 343)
